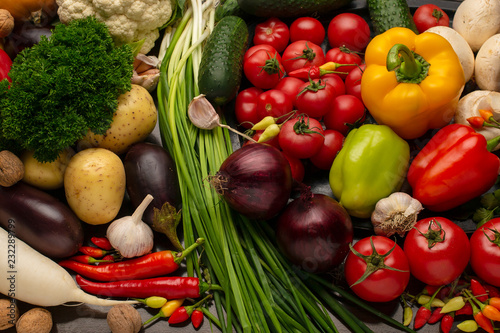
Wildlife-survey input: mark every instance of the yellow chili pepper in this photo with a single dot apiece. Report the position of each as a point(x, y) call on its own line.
point(166, 310)
point(436, 302)
point(412, 83)
point(264, 123)
point(269, 133)
point(454, 304)
point(468, 326)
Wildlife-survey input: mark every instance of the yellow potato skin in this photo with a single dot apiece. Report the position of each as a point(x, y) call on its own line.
point(94, 184)
point(134, 119)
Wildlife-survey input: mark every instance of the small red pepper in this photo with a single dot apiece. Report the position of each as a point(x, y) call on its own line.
point(435, 316)
point(93, 251)
point(102, 242)
point(454, 167)
point(170, 287)
point(197, 318)
point(478, 290)
point(476, 122)
point(148, 266)
point(465, 310)
point(316, 72)
point(447, 322)
point(491, 290)
point(184, 312)
point(424, 312)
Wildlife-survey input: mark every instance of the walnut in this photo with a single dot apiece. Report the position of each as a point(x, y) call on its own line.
point(124, 318)
point(8, 313)
point(6, 23)
point(36, 320)
point(11, 168)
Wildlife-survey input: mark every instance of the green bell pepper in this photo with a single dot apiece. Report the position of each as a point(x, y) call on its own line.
point(371, 165)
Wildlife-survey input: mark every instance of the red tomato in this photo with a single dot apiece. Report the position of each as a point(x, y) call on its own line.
point(485, 252)
point(445, 260)
point(345, 110)
point(273, 142)
point(307, 28)
point(273, 103)
point(255, 48)
point(245, 106)
point(303, 141)
point(342, 55)
point(353, 81)
point(263, 70)
point(335, 81)
point(297, 167)
point(290, 86)
point(5, 64)
point(315, 98)
point(350, 30)
point(273, 32)
point(331, 146)
point(428, 16)
point(302, 54)
point(383, 285)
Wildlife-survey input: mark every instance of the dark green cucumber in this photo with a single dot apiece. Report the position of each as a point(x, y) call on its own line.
point(387, 14)
point(289, 8)
point(221, 67)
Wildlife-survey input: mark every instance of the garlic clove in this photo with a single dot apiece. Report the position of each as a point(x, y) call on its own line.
point(146, 72)
point(202, 113)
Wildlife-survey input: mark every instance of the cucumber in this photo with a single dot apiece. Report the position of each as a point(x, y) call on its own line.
point(289, 8)
point(387, 14)
point(221, 67)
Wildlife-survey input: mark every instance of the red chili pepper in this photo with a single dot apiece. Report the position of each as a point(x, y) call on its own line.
point(170, 287)
point(454, 167)
point(492, 291)
point(476, 122)
point(424, 312)
point(197, 318)
point(148, 266)
point(478, 290)
point(86, 259)
point(93, 251)
point(447, 322)
point(109, 257)
point(184, 312)
point(315, 72)
point(102, 242)
point(435, 316)
point(465, 310)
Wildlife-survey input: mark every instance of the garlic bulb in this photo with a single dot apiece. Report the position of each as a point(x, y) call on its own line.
point(146, 72)
point(395, 214)
point(130, 235)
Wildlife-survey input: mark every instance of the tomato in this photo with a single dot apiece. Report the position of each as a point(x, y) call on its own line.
point(290, 86)
point(263, 70)
point(428, 16)
point(303, 141)
point(445, 259)
point(383, 285)
point(272, 32)
point(272, 51)
point(302, 54)
point(273, 103)
point(342, 55)
point(353, 81)
point(307, 28)
point(315, 97)
point(350, 30)
point(485, 252)
point(5, 64)
point(297, 167)
point(335, 81)
point(345, 111)
point(245, 107)
point(331, 146)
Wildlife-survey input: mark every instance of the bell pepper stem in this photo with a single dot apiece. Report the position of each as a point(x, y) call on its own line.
point(400, 57)
point(492, 143)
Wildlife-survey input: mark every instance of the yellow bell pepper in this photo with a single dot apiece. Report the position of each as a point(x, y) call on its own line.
point(412, 83)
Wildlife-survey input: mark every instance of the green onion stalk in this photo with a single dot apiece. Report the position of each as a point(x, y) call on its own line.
point(262, 292)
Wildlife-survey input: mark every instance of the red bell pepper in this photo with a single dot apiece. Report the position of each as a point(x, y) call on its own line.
point(5, 64)
point(454, 167)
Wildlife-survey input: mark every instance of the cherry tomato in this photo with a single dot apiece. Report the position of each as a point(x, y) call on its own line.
point(384, 284)
point(307, 28)
point(345, 110)
point(297, 167)
point(342, 55)
point(273, 103)
point(272, 51)
point(353, 81)
point(485, 252)
point(273, 32)
point(315, 98)
point(273, 142)
point(350, 30)
point(335, 81)
point(263, 70)
point(437, 261)
point(303, 141)
point(290, 86)
point(5, 64)
point(302, 54)
point(331, 146)
point(428, 16)
point(245, 107)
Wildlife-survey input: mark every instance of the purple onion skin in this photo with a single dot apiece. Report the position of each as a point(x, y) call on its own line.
point(256, 181)
point(314, 233)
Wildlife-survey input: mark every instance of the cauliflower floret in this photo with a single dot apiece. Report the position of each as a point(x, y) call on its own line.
point(127, 20)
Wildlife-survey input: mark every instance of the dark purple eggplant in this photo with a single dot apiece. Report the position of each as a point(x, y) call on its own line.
point(150, 169)
point(40, 220)
point(24, 35)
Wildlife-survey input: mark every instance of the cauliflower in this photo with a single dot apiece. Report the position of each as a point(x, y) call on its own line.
point(127, 20)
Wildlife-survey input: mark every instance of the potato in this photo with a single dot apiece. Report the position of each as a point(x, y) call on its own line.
point(94, 184)
point(47, 175)
point(133, 121)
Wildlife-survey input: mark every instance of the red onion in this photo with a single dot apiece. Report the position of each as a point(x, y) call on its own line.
point(314, 232)
point(255, 180)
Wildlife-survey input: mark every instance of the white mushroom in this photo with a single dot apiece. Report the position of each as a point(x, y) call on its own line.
point(487, 68)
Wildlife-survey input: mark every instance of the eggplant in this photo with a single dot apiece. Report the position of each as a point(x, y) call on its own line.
point(41, 220)
point(149, 169)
